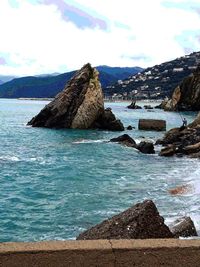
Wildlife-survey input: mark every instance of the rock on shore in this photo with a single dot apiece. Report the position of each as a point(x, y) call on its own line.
point(183, 227)
point(138, 222)
point(186, 96)
point(80, 105)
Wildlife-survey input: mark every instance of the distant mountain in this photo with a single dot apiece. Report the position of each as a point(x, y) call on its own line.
point(6, 78)
point(50, 85)
point(158, 81)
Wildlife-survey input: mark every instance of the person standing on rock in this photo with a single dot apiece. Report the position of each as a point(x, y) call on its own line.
point(184, 122)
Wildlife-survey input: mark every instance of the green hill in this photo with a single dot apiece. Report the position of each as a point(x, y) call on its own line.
point(49, 86)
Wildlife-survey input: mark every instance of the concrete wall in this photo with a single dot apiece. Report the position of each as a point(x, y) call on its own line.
point(158, 252)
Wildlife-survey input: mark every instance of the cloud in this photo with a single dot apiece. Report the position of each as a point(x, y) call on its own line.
point(47, 36)
point(79, 17)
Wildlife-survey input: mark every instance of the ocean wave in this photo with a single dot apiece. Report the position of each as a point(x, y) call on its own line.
point(88, 141)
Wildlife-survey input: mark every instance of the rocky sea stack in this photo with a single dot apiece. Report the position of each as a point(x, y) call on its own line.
point(79, 106)
point(186, 96)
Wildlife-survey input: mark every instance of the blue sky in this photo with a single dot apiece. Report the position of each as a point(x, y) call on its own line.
point(45, 36)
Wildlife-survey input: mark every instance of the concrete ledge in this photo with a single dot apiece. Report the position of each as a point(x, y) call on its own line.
point(151, 252)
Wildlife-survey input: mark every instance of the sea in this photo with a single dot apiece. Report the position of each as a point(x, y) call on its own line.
point(54, 184)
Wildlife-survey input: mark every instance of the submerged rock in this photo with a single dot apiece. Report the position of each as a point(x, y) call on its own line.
point(186, 96)
point(138, 222)
point(183, 227)
point(152, 125)
point(80, 105)
point(146, 147)
point(181, 190)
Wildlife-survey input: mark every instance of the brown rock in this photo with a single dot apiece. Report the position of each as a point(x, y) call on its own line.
point(186, 96)
point(138, 222)
point(108, 121)
point(183, 227)
point(168, 151)
point(152, 125)
point(78, 106)
point(191, 149)
point(146, 147)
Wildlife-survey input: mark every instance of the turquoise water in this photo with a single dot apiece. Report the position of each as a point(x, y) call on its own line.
point(56, 183)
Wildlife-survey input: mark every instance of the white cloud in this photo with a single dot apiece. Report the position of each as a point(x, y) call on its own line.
point(38, 40)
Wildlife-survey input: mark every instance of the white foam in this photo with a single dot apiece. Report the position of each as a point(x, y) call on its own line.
point(88, 141)
point(9, 158)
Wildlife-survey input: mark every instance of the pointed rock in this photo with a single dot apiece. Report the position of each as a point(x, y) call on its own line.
point(78, 106)
point(138, 222)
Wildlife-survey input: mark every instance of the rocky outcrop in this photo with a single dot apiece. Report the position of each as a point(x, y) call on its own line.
point(183, 227)
point(146, 147)
point(182, 141)
point(124, 139)
point(79, 106)
point(134, 106)
point(138, 222)
point(186, 96)
point(152, 125)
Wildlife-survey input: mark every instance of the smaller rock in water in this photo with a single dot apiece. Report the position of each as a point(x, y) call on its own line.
point(124, 139)
point(130, 127)
point(146, 147)
point(134, 106)
point(138, 222)
point(152, 125)
point(148, 107)
point(183, 227)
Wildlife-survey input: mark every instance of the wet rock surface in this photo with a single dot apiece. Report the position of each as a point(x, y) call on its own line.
point(79, 106)
point(138, 222)
point(146, 147)
point(183, 227)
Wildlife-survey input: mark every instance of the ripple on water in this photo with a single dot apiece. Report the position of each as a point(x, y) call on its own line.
point(57, 183)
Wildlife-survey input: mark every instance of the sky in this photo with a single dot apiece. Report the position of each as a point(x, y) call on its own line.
point(47, 36)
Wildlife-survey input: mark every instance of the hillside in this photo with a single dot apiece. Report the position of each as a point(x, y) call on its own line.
point(155, 82)
point(49, 86)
